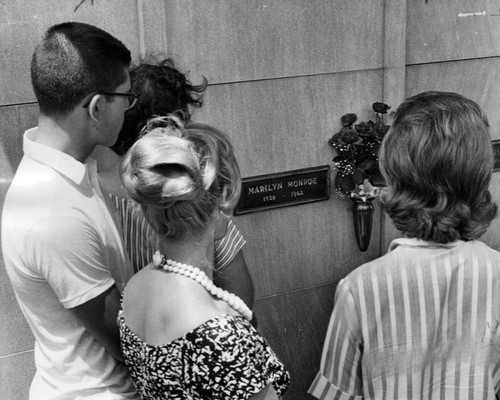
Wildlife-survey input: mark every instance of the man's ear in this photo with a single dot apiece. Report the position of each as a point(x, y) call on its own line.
point(96, 107)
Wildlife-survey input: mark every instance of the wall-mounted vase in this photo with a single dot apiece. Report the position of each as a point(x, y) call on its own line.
point(363, 220)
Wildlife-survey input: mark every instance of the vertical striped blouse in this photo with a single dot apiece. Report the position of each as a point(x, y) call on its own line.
point(421, 322)
point(141, 240)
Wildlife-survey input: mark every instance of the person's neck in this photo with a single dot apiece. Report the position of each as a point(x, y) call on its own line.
point(64, 135)
point(196, 250)
point(108, 161)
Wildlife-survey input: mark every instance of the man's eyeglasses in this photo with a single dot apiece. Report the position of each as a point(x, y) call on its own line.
point(131, 98)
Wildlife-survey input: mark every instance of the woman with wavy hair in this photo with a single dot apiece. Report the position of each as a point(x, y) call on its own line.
point(423, 320)
point(182, 336)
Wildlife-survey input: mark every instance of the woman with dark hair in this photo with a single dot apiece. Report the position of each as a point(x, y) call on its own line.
point(422, 321)
point(163, 89)
point(182, 336)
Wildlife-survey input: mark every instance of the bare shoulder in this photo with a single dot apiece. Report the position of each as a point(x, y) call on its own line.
point(160, 306)
point(147, 284)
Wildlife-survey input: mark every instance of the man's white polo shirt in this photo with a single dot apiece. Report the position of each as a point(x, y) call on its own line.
point(61, 249)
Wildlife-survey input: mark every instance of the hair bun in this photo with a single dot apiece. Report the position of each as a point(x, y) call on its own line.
point(162, 169)
point(178, 165)
point(181, 176)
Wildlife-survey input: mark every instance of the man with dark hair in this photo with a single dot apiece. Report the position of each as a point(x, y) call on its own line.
point(62, 249)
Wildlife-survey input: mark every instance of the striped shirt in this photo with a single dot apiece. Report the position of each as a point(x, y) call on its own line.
point(421, 322)
point(141, 240)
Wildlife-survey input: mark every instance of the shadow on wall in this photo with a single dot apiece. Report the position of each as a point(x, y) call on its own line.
point(297, 336)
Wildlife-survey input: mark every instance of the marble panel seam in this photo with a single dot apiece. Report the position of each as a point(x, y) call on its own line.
point(302, 289)
point(276, 78)
point(17, 353)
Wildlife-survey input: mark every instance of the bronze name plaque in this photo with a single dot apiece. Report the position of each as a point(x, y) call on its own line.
point(496, 155)
point(282, 189)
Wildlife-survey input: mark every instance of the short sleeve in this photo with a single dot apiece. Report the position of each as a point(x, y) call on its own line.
point(67, 253)
point(139, 237)
point(227, 247)
point(237, 360)
point(141, 240)
point(224, 358)
point(340, 376)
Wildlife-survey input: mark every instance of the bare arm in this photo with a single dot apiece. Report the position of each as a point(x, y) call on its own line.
point(268, 393)
point(98, 316)
point(233, 274)
point(235, 278)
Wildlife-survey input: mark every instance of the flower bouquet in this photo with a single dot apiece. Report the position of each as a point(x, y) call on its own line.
point(356, 163)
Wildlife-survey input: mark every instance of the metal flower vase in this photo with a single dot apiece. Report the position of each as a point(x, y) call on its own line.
point(363, 220)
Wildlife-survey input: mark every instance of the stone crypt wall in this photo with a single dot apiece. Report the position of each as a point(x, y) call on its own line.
point(280, 73)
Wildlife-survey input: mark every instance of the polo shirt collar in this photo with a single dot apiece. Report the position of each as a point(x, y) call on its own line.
point(415, 243)
point(57, 160)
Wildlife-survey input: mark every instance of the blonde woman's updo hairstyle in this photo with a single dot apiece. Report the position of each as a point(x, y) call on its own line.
point(181, 175)
point(437, 159)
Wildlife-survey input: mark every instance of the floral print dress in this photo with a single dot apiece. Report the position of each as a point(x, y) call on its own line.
point(224, 358)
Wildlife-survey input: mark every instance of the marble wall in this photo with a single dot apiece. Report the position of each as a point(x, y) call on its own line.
point(281, 73)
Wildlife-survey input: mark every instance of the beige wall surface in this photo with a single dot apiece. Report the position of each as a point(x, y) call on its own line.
point(442, 30)
point(478, 79)
point(281, 73)
point(23, 23)
point(239, 40)
point(280, 125)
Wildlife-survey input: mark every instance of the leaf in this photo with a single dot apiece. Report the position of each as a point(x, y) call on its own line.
point(358, 176)
point(346, 183)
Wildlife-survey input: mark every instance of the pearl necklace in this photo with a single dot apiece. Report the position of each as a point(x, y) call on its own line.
point(199, 276)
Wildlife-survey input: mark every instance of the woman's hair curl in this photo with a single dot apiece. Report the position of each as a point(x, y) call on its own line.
point(181, 175)
point(164, 90)
point(437, 159)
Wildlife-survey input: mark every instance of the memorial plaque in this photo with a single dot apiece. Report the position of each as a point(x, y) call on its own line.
point(496, 155)
point(283, 189)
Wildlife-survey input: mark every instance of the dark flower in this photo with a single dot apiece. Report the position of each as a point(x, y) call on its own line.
point(380, 108)
point(335, 138)
point(349, 137)
point(356, 159)
point(348, 119)
point(365, 129)
point(345, 139)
